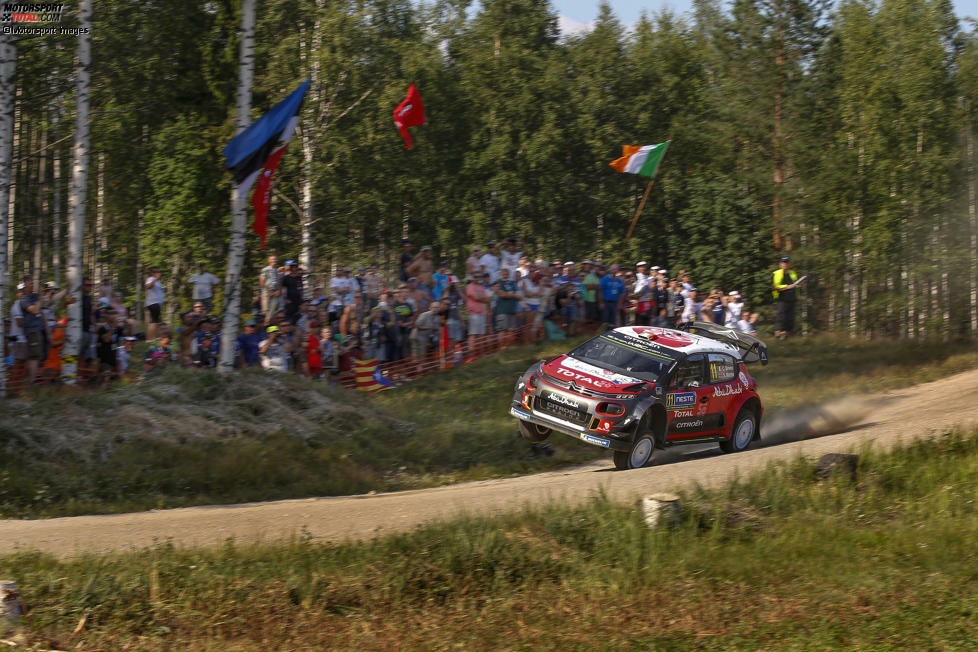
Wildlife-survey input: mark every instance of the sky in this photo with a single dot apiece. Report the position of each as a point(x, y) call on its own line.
point(576, 15)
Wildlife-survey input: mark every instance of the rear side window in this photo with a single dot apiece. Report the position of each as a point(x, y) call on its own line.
point(722, 368)
point(689, 373)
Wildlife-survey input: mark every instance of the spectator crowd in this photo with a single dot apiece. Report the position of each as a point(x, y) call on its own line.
point(319, 331)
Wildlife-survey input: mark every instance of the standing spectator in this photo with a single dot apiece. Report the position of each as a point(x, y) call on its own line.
point(510, 257)
point(18, 345)
point(473, 264)
point(508, 297)
point(248, 343)
point(155, 293)
point(352, 318)
point(426, 327)
point(612, 290)
point(422, 267)
point(105, 289)
point(203, 283)
point(327, 349)
point(107, 338)
point(404, 319)
point(644, 295)
point(734, 311)
point(417, 296)
point(35, 328)
point(452, 300)
point(373, 284)
point(476, 304)
point(441, 280)
point(190, 322)
point(318, 296)
point(406, 258)
point(490, 262)
point(342, 286)
point(314, 353)
point(207, 352)
point(785, 281)
point(271, 291)
point(677, 301)
point(592, 284)
point(691, 307)
point(274, 351)
point(292, 289)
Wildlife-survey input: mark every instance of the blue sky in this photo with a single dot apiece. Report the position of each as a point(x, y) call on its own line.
point(576, 14)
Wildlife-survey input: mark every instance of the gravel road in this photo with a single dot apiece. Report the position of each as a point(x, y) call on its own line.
point(884, 419)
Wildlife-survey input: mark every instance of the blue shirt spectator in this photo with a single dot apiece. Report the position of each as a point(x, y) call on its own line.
point(611, 287)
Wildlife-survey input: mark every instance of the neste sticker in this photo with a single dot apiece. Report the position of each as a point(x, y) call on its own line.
point(678, 400)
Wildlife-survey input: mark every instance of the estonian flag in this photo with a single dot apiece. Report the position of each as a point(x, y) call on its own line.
point(248, 152)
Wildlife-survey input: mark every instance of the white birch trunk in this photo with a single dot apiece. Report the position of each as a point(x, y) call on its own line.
point(76, 199)
point(973, 219)
point(56, 218)
point(309, 138)
point(98, 266)
point(239, 212)
point(8, 62)
point(12, 185)
point(42, 182)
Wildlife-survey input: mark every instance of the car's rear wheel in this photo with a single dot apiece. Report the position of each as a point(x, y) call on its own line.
point(742, 432)
point(638, 456)
point(534, 432)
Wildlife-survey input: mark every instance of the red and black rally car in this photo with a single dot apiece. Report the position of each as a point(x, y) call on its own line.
point(638, 388)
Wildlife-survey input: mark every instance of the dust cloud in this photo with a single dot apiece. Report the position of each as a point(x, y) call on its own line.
point(815, 421)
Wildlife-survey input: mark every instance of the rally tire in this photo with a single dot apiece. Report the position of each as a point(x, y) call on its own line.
point(742, 433)
point(534, 432)
point(639, 455)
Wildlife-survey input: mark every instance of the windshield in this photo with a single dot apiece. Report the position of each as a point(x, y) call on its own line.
point(640, 359)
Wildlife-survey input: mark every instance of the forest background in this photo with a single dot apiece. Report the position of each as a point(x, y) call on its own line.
point(842, 134)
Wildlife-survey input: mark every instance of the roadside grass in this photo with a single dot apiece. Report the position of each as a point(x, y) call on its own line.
point(777, 560)
point(191, 438)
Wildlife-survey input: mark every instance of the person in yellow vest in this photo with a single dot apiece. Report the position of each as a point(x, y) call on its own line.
point(785, 282)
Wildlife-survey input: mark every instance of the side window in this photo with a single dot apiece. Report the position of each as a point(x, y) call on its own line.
point(689, 373)
point(722, 368)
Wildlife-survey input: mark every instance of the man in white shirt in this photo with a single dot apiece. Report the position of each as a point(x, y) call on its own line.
point(203, 283)
point(473, 264)
point(510, 257)
point(17, 326)
point(490, 262)
point(691, 307)
point(155, 293)
point(270, 283)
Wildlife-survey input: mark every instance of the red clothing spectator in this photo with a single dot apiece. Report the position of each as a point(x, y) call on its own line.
point(314, 356)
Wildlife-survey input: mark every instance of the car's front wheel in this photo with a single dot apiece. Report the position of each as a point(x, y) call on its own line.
point(534, 432)
point(638, 456)
point(742, 432)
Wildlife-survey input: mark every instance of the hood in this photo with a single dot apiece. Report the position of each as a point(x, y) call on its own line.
point(591, 377)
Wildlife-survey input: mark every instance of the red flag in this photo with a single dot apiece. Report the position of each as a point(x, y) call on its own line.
point(263, 193)
point(409, 113)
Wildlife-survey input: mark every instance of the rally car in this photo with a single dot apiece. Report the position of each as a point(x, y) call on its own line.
point(640, 388)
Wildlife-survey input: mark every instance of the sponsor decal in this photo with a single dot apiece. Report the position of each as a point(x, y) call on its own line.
point(554, 397)
point(604, 374)
point(688, 424)
point(642, 344)
point(597, 441)
point(697, 423)
point(743, 380)
point(682, 413)
point(666, 336)
point(517, 413)
point(678, 400)
point(727, 390)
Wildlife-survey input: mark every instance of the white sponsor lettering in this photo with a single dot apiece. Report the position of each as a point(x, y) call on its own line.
point(563, 400)
point(743, 379)
point(689, 424)
point(727, 390)
point(597, 441)
point(605, 374)
point(587, 379)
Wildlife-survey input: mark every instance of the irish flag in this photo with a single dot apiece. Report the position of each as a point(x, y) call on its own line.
point(643, 160)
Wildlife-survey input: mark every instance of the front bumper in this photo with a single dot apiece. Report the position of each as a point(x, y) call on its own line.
point(570, 429)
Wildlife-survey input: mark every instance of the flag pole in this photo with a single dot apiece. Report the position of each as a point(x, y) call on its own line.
point(638, 212)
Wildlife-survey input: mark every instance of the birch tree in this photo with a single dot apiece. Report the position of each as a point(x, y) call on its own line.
point(8, 61)
point(239, 210)
point(76, 198)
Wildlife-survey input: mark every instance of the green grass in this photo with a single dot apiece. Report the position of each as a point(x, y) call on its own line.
point(778, 560)
point(192, 438)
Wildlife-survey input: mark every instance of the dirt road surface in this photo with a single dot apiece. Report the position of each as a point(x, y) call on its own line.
point(884, 419)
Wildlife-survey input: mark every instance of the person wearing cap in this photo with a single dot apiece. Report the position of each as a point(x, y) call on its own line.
point(422, 267)
point(691, 306)
point(784, 282)
point(268, 282)
point(490, 262)
point(292, 290)
point(477, 299)
point(734, 310)
point(203, 283)
point(406, 258)
point(123, 354)
point(247, 344)
point(34, 326)
point(274, 351)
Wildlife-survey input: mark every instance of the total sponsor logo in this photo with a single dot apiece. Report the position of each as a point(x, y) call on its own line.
point(678, 400)
point(682, 413)
point(591, 370)
point(727, 390)
point(587, 379)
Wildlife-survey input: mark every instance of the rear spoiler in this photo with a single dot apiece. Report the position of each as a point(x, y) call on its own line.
point(751, 348)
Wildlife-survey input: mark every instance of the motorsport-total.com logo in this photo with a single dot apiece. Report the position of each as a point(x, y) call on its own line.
point(34, 18)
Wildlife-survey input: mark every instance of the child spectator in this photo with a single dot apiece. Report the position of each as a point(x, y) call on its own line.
point(157, 356)
point(314, 354)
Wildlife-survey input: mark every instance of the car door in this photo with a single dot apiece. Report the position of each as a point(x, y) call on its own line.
point(688, 399)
